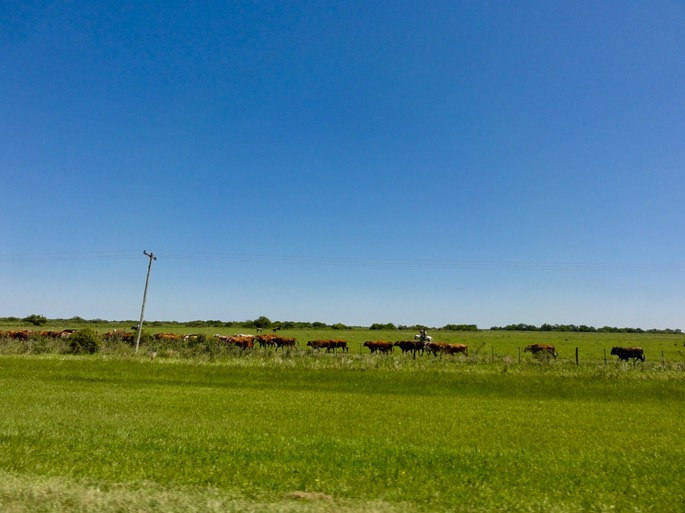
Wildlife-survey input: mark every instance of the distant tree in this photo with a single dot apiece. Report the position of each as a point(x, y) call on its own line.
point(262, 322)
point(319, 325)
point(339, 326)
point(460, 327)
point(195, 324)
point(380, 326)
point(36, 320)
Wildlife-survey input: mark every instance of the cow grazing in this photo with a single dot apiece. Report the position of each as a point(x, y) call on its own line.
point(541, 350)
point(626, 353)
point(378, 346)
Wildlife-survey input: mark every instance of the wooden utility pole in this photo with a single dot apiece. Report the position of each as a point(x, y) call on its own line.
point(152, 257)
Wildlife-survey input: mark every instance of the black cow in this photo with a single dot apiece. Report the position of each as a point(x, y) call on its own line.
point(626, 353)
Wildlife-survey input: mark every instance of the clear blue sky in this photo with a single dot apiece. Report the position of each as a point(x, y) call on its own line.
point(411, 162)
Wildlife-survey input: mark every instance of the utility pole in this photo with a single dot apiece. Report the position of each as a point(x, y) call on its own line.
point(152, 257)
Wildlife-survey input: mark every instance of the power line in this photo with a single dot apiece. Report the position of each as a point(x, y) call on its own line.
point(67, 256)
point(335, 261)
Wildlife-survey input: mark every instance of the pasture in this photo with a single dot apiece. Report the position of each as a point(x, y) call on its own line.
point(307, 431)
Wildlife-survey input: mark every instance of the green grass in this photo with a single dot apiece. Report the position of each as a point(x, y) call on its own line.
point(308, 432)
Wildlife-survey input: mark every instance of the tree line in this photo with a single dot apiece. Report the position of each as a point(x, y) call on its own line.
point(581, 329)
point(264, 322)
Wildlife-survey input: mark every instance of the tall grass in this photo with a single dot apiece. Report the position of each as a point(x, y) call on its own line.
point(338, 433)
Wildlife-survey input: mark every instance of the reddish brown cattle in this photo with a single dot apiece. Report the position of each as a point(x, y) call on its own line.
point(435, 347)
point(541, 350)
point(378, 346)
point(117, 335)
point(455, 349)
point(167, 336)
point(19, 335)
point(242, 342)
point(329, 345)
point(626, 353)
point(316, 345)
point(50, 334)
point(284, 342)
point(266, 340)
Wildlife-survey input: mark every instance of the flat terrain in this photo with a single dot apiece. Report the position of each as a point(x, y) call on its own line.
point(304, 431)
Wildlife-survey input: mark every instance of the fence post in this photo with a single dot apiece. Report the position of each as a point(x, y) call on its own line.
point(519, 348)
point(605, 356)
point(492, 358)
point(577, 357)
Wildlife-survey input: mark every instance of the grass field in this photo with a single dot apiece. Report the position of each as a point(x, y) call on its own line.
point(353, 432)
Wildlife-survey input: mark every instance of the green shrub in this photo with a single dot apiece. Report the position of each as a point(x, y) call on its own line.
point(83, 342)
point(36, 320)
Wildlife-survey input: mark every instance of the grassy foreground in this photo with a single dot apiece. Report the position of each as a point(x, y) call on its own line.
point(357, 433)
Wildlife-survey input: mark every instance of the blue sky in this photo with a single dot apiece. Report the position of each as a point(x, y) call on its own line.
point(409, 162)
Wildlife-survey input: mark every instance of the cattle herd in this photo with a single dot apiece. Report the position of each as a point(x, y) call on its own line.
point(421, 344)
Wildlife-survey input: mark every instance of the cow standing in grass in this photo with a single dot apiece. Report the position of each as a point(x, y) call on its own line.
point(541, 350)
point(626, 353)
point(378, 346)
point(410, 346)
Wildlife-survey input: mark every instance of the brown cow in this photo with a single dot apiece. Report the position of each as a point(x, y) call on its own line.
point(19, 335)
point(117, 335)
point(541, 350)
point(435, 347)
point(266, 340)
point(378, 346)
point(456, 348)
point(167, 336)
point(329, 345)
point(243, 342)
point(284, 342)
point(626, 353)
